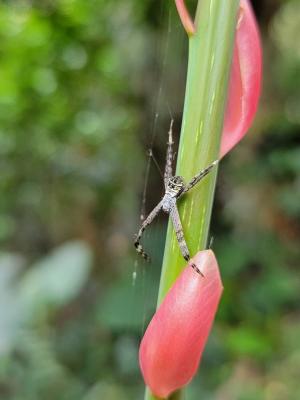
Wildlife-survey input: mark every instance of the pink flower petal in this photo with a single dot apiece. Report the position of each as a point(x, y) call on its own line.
point(245, 79)
point(184, 15)
point(173, 343)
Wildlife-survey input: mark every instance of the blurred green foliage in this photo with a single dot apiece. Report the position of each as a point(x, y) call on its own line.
point(85, 87)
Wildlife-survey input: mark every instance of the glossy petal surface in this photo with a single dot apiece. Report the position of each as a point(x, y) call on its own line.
point(245, 79)
point(173, 343)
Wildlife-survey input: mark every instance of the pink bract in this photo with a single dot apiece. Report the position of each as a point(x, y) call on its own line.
point(245, 79)
point(173, 343)
point(184, 15)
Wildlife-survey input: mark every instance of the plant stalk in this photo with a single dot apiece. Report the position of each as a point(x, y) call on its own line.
point(209, 61)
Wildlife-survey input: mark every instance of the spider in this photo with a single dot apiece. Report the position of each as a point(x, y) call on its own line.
point(174, 189)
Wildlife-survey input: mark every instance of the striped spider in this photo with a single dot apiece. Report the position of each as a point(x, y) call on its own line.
point(174, 189)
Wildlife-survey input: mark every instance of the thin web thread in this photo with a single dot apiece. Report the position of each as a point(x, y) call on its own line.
point(163, 51)
point(139, 267)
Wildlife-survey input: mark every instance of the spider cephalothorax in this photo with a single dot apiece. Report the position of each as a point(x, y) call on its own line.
point(174, 188)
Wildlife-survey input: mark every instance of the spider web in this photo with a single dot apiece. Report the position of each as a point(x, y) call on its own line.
point(162, 114)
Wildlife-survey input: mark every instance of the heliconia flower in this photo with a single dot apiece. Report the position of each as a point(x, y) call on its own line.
point(245, 76)
point(174, 341)
point(184, 15)
point(245, 79)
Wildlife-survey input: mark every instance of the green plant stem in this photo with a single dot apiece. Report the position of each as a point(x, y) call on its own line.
point(210, 55)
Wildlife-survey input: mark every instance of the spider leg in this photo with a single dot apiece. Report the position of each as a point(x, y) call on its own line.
point(148, 220)
point(169, 157)
point(180, 237)
point(179, 233)
point(197, 178)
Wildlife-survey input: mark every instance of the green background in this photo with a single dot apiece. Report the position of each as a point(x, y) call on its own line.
point(86, 87)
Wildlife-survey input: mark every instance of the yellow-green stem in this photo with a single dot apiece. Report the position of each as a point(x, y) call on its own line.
point(210, 55)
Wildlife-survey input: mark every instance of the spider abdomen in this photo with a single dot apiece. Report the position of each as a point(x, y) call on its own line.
point(168, 202)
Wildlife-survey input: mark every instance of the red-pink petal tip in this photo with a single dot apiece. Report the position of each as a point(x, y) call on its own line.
point(174, 341)
point(185, 17)
point(245, 79)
